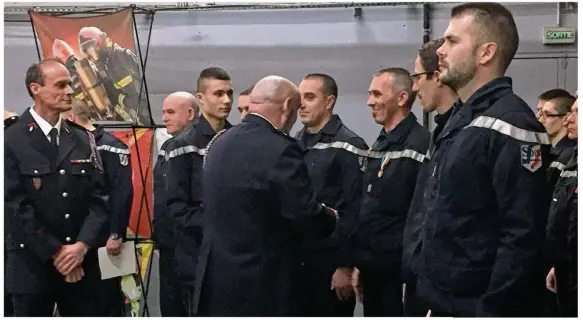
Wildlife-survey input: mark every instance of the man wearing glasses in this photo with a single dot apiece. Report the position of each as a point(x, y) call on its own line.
point(552, 115)
point(433, 96)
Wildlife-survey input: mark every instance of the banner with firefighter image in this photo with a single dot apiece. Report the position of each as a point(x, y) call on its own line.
point(135, 286)
point(101, 55)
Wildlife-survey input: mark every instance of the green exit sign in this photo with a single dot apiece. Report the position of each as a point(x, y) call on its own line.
point(554, 35)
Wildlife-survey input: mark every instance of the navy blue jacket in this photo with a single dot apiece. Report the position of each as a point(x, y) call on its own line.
point(413, 225)
point(183, 185)
point(163, 227)
point(485, 208)
point(118, 169)
point(378, 237)
point(336, 159)
point(259, 202)
point(561, 154)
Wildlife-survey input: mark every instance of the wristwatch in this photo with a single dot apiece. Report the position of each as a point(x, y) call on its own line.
point(114, 236)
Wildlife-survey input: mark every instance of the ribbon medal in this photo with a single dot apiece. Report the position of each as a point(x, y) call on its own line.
point(384, 163)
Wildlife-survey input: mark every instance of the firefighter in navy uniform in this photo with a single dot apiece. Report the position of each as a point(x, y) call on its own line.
point(552, 115)
point(485, 203)
point(183, 168)
point(55, 204)
point(10, 118)
point(115, 156)
point(335, 157)
point(562, 232)
point(119, 70)
point(390, 179)
point(433, 96)
point(179, 110)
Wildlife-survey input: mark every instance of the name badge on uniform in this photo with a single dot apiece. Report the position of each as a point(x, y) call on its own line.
point(36, 182)
point(123, 159)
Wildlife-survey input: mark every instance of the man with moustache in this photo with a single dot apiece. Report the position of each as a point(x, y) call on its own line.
point(259, 202)
point(55, 204)
point(390, 178)
point(244, 100)
point(183, 168)
point(563, 235)
point(336, 158)
point(433, 96)
point(485, 202)
point(179, 110)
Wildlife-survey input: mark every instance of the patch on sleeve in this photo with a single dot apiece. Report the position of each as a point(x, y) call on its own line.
point(123, 159)
point(362, 163)
point(530, 156)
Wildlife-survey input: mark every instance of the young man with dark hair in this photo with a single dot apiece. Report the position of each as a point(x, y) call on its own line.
point(549, 95)
point(55, 202)
point(433, 96)
point(335, 160)
point(390, 179)
point(486, 200)
point(183, 183)
point(563, 277)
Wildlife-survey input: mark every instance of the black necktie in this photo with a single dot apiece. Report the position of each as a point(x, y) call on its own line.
point(53, 134)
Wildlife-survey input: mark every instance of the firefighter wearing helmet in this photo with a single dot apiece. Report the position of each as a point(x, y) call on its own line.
point(118, 69)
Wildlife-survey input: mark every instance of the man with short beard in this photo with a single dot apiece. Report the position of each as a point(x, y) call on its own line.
point(433, 96)
point(336, 159)
point(184, 171)
point(485, 204)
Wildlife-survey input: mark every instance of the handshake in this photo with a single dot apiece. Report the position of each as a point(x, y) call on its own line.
point(68, 261)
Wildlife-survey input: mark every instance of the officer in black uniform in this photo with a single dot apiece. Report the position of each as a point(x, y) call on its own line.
point(486, 198)
point(259, 202)
point(336, 158)
point(115, 156)
point(433, 96)
point(562, 233)
point(179, 110)
point(390, 178)
point(184, 169)
point(55, 204)
point(10, 118)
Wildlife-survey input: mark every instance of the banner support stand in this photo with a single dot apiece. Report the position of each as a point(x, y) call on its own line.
point(142, 62)
point(34, 34)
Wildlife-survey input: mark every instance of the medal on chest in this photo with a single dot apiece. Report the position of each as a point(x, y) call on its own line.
point(384, 162)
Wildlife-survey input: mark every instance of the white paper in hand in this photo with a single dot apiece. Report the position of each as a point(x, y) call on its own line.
point(116, 266)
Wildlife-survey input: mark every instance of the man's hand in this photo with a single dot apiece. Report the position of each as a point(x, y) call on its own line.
point(75, 276)
point(70, 256)
point(552, 281)
point(342, 283)
point(357, 285)
point(113, 247)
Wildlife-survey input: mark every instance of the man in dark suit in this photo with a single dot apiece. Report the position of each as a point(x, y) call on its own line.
point(55, 203)
point(258, 202)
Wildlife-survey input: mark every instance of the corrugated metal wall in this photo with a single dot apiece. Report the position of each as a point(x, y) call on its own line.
point(251, 44)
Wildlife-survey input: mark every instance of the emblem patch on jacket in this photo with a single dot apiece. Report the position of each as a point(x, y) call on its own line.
point(36, 182)
point(530, 156)
point(123, 159)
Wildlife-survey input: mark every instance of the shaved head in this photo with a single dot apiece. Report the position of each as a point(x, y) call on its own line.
point(178, 110)
point(277, 99)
